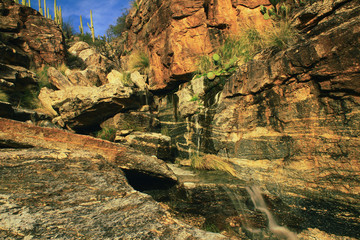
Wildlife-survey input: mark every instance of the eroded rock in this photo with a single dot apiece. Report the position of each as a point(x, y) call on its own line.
point(152, 144)
point(82, 107)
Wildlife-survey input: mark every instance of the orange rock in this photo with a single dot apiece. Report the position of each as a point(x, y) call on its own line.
point(175, 33)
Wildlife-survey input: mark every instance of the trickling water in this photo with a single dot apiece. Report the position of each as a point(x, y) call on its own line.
point(260, 204)
point(188, 135)
point(198, 133)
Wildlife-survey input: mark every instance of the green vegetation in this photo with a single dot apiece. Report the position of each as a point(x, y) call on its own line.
point(107, 133)
point(120, 27)
point(212, 162)
point(68, 30)
point(43, 79)
point(275, 13)
point(242, 48)
point(135, 4)
point(126, 80)
point(27, 97)
point(81, 27)
point(281, 36)
point(3, 96)
point(91, 26)
point(40, 9)
point(139, 61)
point(165, 131)
point(195, 98)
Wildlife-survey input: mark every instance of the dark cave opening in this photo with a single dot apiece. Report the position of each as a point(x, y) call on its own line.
point(157, 187)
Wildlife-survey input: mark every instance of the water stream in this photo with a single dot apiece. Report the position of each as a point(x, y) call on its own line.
point(274, 227)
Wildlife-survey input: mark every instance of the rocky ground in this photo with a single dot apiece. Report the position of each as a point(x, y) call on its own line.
point(74, 194)
point(288, 121)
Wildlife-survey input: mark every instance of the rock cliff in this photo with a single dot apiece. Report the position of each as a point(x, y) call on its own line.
point(287, 121)
point(175, 33)
point(29, 38)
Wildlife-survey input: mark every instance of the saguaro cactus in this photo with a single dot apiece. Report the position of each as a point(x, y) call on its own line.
point(81, 28)
point(55, 12)
point(40, 9)
point(46, 14)
point(92, 26)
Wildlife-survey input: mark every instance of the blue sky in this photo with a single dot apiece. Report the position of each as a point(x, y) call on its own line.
point(105, 12)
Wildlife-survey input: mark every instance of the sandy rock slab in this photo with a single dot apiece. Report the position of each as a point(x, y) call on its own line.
point(57, 194)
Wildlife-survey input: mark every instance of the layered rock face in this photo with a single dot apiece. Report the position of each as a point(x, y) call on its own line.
point(298, 111)
point(175, 33)
point(288, 120)
point(29, 33)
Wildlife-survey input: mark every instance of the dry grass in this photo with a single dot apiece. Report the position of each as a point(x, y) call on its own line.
point(239, 49)
point(212, 162)
point(139, 61)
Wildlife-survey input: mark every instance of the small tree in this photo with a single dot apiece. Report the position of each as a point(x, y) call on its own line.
point(68, 30)
point(120, 27)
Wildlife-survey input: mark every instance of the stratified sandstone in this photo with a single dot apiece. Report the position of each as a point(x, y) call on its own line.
point(176, 32)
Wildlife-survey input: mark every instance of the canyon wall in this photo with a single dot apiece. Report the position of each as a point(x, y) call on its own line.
point(175, 33)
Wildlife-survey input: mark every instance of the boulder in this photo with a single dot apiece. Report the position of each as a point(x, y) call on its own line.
point(78, 47)
point(98, 66)
point(152, 144)
point(115, 77)
point(191, 97)
point(82, 107)
point(57, 79)
point(16, 76)
point(10, 52)
point(82, 78)
point(51, 138)
point(139, 80)
point(133, 120)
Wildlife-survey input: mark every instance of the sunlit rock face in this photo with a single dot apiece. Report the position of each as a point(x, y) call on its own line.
point(176, 32)
point(25, 30)
point(295, 115)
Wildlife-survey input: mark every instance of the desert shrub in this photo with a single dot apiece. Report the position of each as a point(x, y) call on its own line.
point(107, 133)
point(212, 162)
point(68, 30)
point(3, 96)
point(280, 36)
point(242, 48)
point(119, 28)
point(139, 60)
point(62, 68)
point(126, 80)
point(135, 4)
point(26, 97)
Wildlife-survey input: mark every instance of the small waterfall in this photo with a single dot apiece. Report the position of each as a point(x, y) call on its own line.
point(260, 204)
point(188, 135)
point(198, 132)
